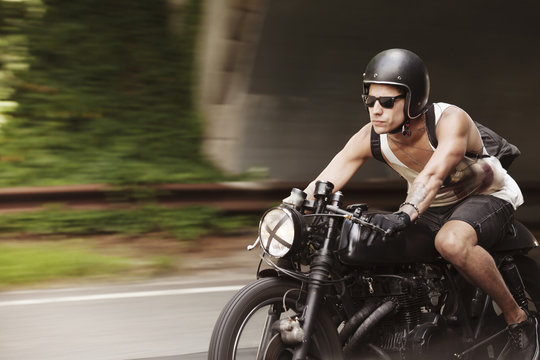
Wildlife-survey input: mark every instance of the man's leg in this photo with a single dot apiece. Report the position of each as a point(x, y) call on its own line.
point(457, 242)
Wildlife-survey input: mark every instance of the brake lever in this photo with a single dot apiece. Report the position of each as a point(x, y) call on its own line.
point(359, 220)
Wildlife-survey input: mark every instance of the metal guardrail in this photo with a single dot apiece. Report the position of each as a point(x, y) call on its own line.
point(232, 197)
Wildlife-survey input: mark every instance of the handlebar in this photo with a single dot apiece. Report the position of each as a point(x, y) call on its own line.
point(323, 190)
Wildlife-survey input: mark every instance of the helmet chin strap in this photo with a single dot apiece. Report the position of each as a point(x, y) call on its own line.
point(406, 128)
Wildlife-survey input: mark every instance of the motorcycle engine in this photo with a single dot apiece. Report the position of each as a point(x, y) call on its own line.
point(416, 324)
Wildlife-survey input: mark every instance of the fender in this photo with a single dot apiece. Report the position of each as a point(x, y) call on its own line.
point(267, 273)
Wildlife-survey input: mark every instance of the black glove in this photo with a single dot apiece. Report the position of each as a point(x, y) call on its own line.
point(391, 223)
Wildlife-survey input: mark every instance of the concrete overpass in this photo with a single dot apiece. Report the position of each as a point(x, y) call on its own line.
point(280, 80)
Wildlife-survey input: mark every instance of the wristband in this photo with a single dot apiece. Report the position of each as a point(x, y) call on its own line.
point(410, 204)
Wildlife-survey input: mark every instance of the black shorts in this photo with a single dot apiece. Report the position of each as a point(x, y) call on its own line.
point(490, 217)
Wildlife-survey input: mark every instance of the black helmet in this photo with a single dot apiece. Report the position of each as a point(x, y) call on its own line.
point(402, 68)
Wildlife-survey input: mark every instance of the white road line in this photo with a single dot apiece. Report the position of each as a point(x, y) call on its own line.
point(126, 295)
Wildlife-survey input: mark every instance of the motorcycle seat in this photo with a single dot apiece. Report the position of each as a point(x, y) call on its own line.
point(518, 239)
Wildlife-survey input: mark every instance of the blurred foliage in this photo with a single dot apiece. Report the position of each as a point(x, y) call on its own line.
point(188, 223)
point(104, 93)
point(22, 263)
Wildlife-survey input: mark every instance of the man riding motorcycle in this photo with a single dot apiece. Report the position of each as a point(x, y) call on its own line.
point(456, 189)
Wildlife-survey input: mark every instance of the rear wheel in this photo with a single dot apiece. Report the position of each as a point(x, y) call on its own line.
point(530, 273)
point(244, 328)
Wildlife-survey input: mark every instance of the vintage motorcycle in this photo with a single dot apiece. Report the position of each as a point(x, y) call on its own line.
point(324, 294)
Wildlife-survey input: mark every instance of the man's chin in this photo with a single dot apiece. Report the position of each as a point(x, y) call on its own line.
point(384, 129)
point(380, 129)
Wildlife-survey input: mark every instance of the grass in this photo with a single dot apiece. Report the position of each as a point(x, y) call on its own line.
point(62, 244)
point(187, 223)
point(23, 263)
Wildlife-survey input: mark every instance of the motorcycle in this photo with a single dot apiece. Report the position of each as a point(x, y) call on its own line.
point(323, 293)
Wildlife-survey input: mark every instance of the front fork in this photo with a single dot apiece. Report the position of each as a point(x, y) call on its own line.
point(319, 273)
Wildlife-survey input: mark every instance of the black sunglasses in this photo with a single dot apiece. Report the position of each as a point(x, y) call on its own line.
point(386, 102)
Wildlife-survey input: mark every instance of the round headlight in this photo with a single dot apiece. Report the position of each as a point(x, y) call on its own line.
point(277, 231)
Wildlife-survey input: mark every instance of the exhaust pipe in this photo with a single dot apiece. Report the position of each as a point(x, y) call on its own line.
point(355, 321)
point(372, 320)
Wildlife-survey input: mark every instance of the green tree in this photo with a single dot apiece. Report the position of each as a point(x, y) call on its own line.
point(107, 96)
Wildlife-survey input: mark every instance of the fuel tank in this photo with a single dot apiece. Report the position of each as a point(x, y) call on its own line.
point(415, 244)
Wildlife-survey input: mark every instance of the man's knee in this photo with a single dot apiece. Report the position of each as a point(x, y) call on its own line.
point(454, 241)
point(450, 247)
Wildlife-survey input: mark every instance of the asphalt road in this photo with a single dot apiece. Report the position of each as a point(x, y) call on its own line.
point(165, 319)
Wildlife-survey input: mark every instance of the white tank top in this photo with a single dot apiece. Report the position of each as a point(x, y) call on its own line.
point(472, 176)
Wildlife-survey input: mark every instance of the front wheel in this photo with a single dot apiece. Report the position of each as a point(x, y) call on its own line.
point(244, 328)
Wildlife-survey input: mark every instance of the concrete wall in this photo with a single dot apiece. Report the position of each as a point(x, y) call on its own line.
point(281, 79)
point(230, 33)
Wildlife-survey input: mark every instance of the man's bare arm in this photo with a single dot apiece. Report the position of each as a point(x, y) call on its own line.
point(418, 193)
point(453, 136)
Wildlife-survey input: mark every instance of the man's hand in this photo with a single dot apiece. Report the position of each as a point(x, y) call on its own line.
point(391, 223)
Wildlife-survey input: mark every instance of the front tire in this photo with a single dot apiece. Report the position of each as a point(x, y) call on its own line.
point(235, 337)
